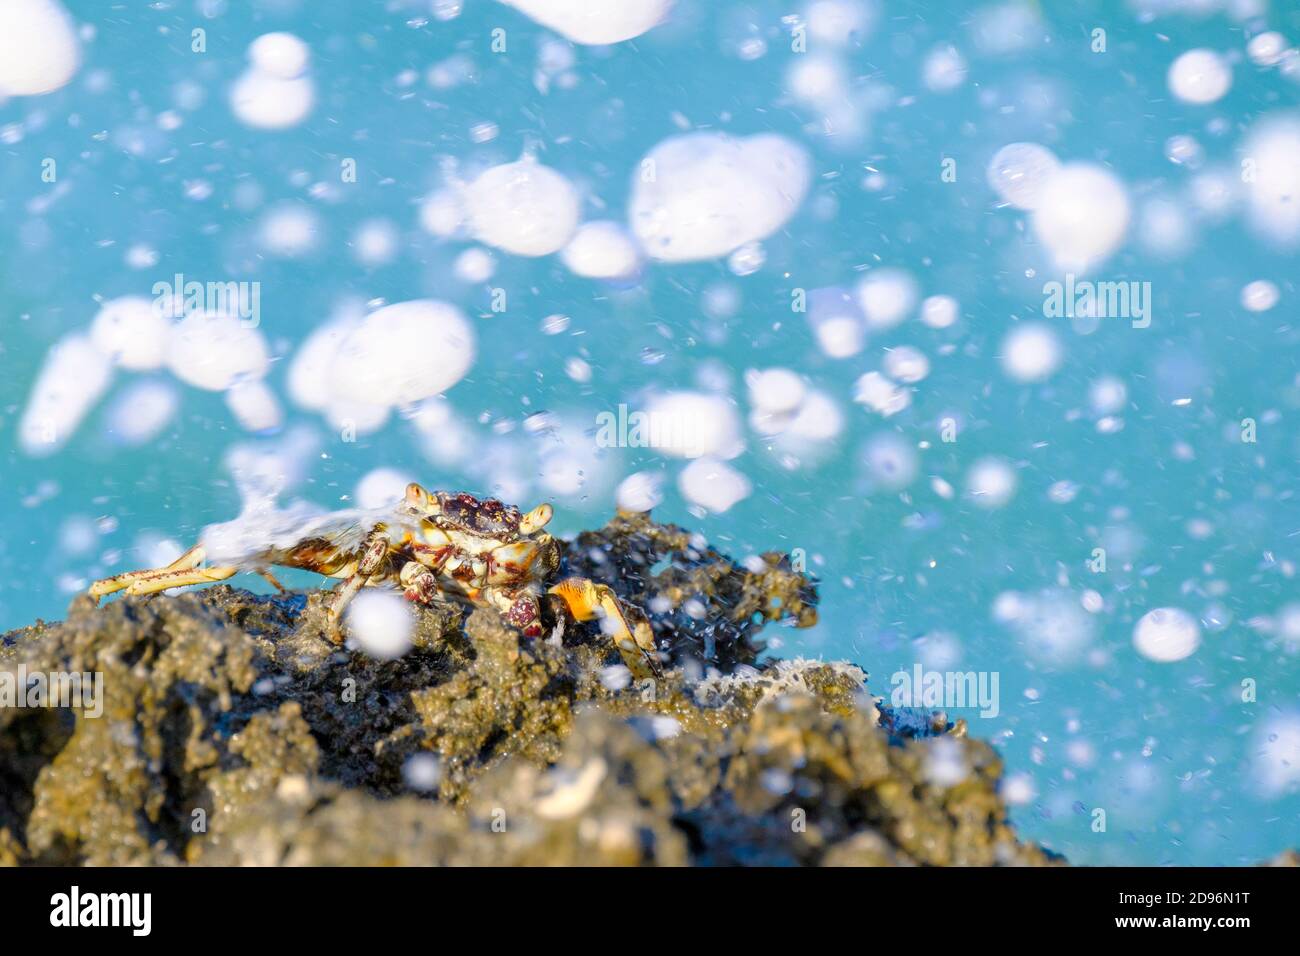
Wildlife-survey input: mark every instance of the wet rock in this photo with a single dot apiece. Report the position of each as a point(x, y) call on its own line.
point(233, 732)
point(682, 581)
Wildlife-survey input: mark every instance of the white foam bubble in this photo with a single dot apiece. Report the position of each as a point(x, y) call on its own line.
point(695, 424)
point(887, 296)
point(940, 311)
point(1081, 215)
point(1167, 634)
point(523, 208)
point(1199, 76)
point(443, 213)
point(1054, 626)
point(132, 332)
point(141, 256)
point(140, 412)
point(720, 300)
point(777, 391)
point(881, 395)
point(1275, 755)
point(595, 23)
point(1266, 49)
point(375, 242)
point(382, 487)
point(1007, 27)
point(157, 550)
point(555, 324)
point(702, 195)
point(1259, 296)
point(422, 772)
point(891, 461)
point(475, 264)
point(818, 79)
point(1018, 789)
point(562, 474)
point(281, 55)
point(578, 369)
point(1031, 352)
point(1165, 228)
point(1107, 395)
point(264, 101)
point(1183, 150)
point(448, 9)
point(1214, 193)
point(640, 491)
point(402, 353)
point(309, 383)
point(817, 420)
point(381, 623)
point(213, 351)
point(838, 22)
point(79, 533)
point(1062, 492)
point(991, 482)
point(289, 230)
point(906, 364)
point(1287, 623)
point(601, 249)
point(572, 462)
point(944, 69)
point(265, 469)
point(1273, 186)
point(254, 406)
point(1018, 173)
point(836, 322)
point(38, 47)
point(713, 484)
point(74, 377)
point(356, 418)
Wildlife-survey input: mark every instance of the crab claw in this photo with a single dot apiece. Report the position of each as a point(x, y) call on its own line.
point(525, 614)
point(587, 600)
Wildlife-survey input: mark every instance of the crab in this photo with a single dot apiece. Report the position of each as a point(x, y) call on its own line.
point(433, 546)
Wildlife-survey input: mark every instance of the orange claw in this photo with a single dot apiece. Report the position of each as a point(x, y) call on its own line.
point(587, 600)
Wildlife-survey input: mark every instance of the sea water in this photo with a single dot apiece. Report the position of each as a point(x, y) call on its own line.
point(983, 313)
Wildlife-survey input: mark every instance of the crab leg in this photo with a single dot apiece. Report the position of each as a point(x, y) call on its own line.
point(587, 600)
point(270, 579)
point(164, 580)
point(371, 559)
point(420, 584)
point(189, 560)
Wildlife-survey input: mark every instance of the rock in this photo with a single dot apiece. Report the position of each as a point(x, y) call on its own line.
point(234, 733)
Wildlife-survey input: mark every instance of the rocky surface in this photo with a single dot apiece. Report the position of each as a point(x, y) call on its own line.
point(232, 732)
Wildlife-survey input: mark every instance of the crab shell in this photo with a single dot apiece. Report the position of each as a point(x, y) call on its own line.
point(488, 552)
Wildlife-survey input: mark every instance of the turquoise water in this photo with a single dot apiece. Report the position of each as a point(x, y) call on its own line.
point(157, 176)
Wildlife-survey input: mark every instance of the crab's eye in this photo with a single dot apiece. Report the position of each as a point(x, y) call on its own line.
point(535, 519)
point(416, 496)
